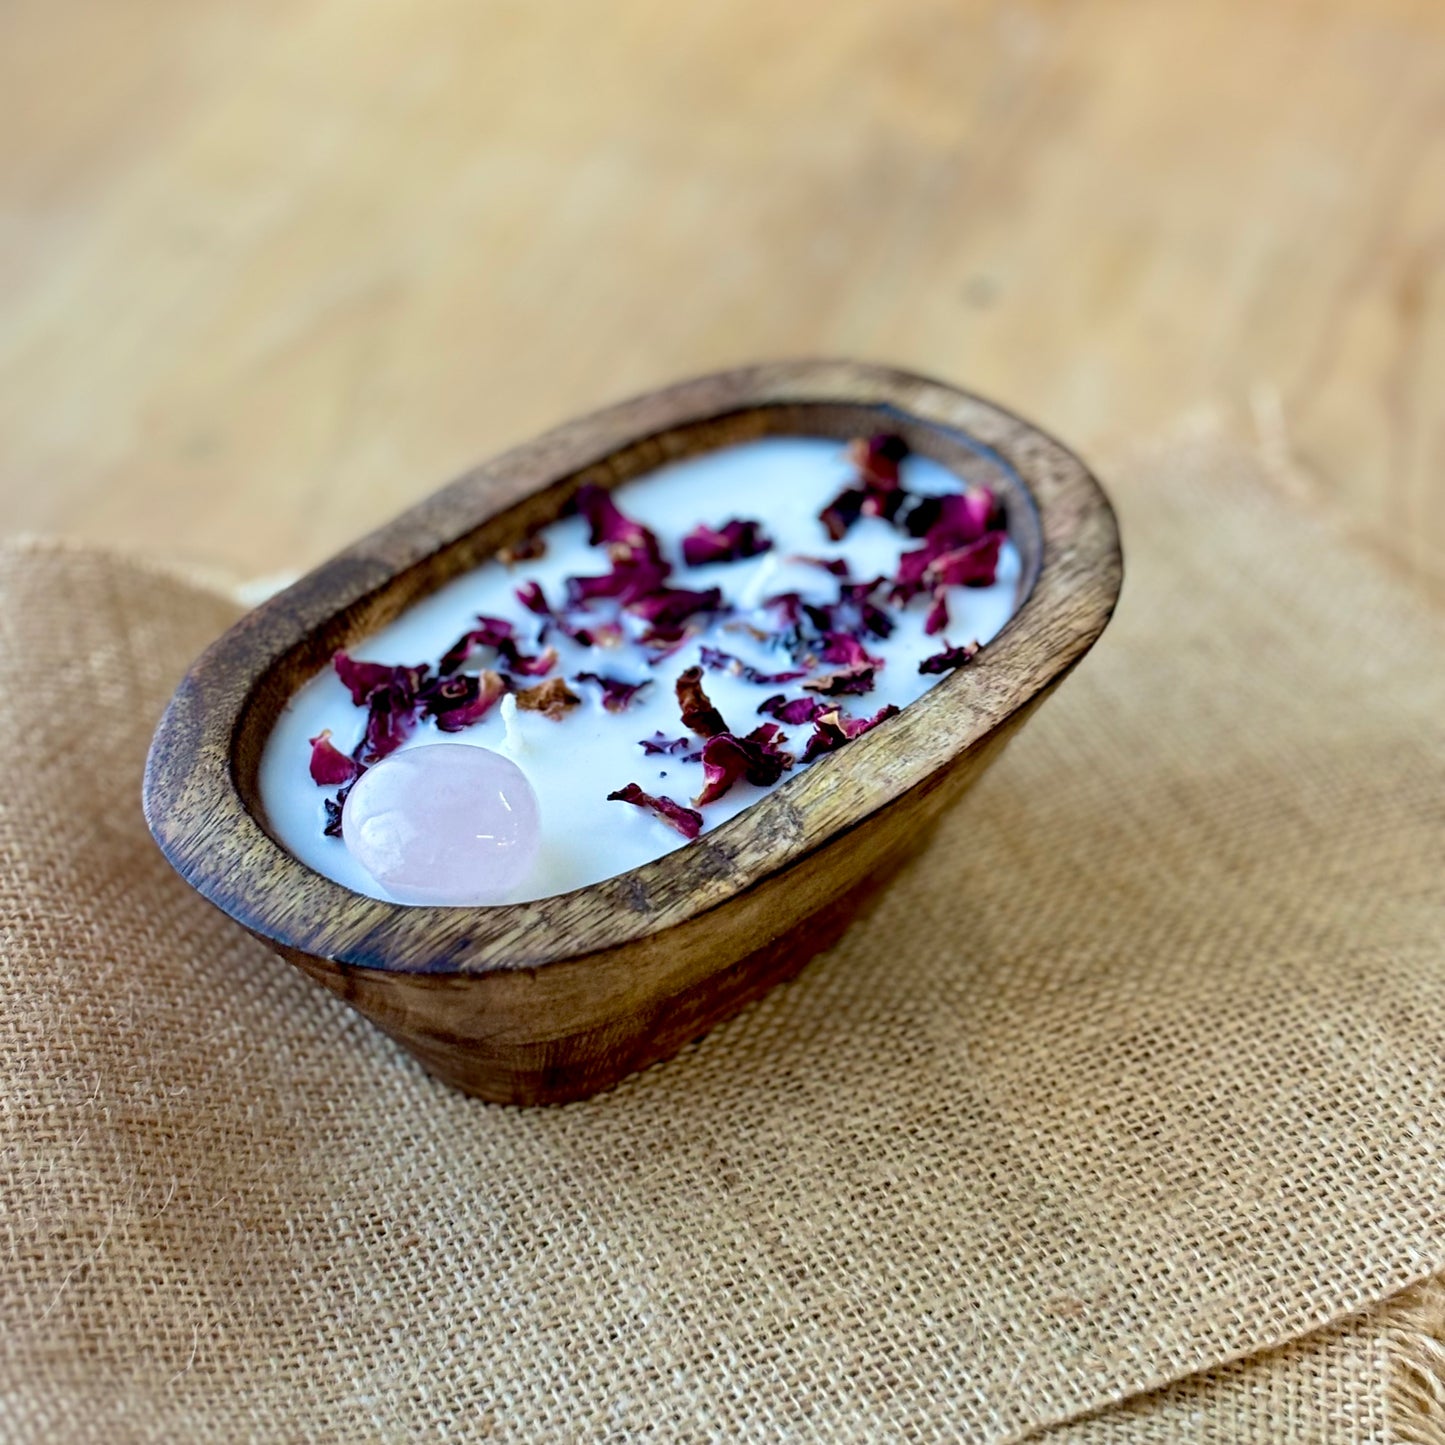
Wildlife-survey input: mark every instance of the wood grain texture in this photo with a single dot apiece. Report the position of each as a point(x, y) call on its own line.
point(550, 1000)
point(269, 271)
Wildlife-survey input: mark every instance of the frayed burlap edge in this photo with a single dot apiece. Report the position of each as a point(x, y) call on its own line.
point(1415, 1345)
point(1366, 1379)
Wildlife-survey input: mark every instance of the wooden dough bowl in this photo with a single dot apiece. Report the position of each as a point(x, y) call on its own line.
point(553, 1000)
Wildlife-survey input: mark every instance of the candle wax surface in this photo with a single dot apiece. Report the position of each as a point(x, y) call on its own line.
point(573, 763)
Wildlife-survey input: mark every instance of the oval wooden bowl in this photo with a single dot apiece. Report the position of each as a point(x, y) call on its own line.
point(553, 1000)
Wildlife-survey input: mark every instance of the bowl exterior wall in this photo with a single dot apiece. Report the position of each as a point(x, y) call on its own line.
point(608, 1015)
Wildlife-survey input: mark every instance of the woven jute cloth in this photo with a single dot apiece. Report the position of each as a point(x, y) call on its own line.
point(1121, 1117)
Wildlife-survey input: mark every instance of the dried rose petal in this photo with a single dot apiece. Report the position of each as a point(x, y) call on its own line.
point(937, 618)
point(628, 581)
point(847, 651)
point(617, 695)
point(949, 658)
point(799, 710)
point(717, 661)
point(834, 566)
point(834, 728)
point(857, 598)
point(594, 634)
point(669, 607)
point(490, 632)
point(662, 642)
point(333, 807)
point(500, 636)
point(971, 514)
point(531, 596)
point(960, 516)
point(637, 565)
point(788, 606)
point(389, 695)
point(772, 679)
point(840, 514)
point(853, 615)
point(975, 565)
point(329, 765)
point(856, 726)
point(519, 662)
point(726, 758)
point(878, 459)
point(883, 503)
point(847, 681)
point(918, 515)
point(730, 543)
point(390, 718)
point(912, 574)
point(659, 742)
point(881, 495)
point(624, 539)
point(687, 822)
point(364, 678)
point(459, 701)
point(804, 622)
point(553, 699)
point(698, 713)
point(960, 543)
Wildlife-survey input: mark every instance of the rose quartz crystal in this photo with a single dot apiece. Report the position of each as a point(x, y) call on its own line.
point(445, 823)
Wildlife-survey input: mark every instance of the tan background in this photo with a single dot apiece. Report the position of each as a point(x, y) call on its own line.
point(272, 268)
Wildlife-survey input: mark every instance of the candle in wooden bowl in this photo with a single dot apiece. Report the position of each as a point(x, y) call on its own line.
point(767, 572)
point(629, 935)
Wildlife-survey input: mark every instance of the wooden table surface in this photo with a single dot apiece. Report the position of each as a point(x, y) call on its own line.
point(269, 269)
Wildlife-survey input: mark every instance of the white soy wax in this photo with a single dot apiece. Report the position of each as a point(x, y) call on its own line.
point(573, 763)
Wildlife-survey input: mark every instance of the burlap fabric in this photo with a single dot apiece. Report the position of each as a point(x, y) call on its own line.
point(1373, 1378)
point(1326, 1387)
point(1136, 1073)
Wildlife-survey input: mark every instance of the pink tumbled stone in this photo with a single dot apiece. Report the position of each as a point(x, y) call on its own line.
point(444, 823)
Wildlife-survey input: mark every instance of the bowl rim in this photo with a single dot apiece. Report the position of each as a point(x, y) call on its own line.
point(203, 824)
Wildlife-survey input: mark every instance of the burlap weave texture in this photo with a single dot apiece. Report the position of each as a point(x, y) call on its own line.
point(1137, 1071)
